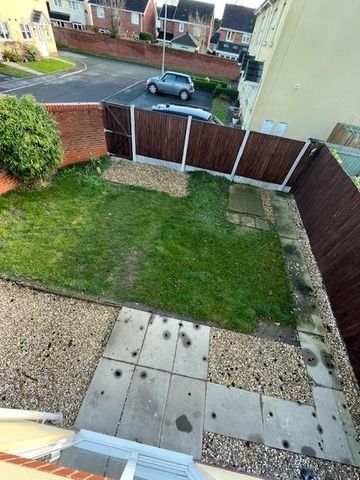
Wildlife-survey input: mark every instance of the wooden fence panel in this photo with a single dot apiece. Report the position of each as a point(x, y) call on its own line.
point(118, 129)
point(268, 158)
point(213, 147)
point(329, 204)
point(159, 135)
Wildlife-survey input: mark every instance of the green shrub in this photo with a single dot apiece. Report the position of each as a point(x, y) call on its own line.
point(30, 145)
point(31, 53)
point(146, 36)
point(207, 84)
point(226, 93)
point(13, 52)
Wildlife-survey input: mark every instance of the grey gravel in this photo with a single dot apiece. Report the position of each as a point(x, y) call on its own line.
point(267, 205)
point(258, 365)
point(270, 463)
point(50, 346)
point(147, 176)
point(332, 335)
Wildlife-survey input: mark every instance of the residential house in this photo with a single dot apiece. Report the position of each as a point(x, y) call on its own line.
point(131, 16)
point(301, 75)
point(187, 17)
point(187, 42)
point(27, 21)
point(235, 31)
point(70, 13)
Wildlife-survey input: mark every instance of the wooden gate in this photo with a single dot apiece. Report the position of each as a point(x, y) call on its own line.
point(117, 129)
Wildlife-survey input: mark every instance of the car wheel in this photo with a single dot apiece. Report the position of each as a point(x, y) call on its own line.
point(152, 88)
point(184, 95)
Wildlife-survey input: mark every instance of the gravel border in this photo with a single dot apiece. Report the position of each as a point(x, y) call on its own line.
point(255, 459)
point(50, 346)
point(147, 176)
point(332, 335)
point(258, 365)
point(267, 205)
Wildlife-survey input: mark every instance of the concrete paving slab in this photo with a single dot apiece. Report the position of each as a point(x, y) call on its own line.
point(105, 398)
point(145, 406)
point(318, 361)
point(296, 266)
point(234, 218)
point(233, 412)
point(159, 345)
point(335, 440)
point(184, 417)
point(291, 426)
point(192, 349)
point(128, 335)
point(284, 224)
point(262, 224)
point(247, 221)
point(246, 199)
point(308, 315)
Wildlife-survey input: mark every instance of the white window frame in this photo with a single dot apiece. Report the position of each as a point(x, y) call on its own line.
point(181, 27)
point(26, 31)
point(280, 129)
point(57, 3)
point(135, 18)
point(4, 31)
point(230, 36)
point(100, 12)
point(60, 23)
point(246, 39)
point(267, 127)
point(74, 5)
point(78, 26)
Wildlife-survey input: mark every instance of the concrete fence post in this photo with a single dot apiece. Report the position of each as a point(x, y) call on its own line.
point(295, 164)
point(133, 132)
point(239, 154)
point(186, 143)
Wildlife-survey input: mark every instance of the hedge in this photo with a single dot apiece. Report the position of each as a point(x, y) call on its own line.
point(208, 85)
point(230, 93)
point(146, 36)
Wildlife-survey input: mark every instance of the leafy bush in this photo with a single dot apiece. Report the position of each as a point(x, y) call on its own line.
point(146, 36)
point(31, 53)
point(229, 93)
point(13, 52)
point(207, 84)
point(30, 145)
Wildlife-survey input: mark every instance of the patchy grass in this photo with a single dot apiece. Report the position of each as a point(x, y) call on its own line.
point(220, 109)
point(176, 254)
point(13, 71)
point(50, 65)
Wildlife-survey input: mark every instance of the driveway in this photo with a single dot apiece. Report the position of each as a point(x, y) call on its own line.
point(99, 79)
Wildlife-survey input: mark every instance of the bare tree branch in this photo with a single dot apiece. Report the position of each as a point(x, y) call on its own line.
point(199, 31)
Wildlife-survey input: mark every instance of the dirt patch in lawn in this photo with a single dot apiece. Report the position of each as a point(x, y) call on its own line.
point(147, 176)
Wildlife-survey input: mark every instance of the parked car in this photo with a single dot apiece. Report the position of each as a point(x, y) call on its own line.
point(172, 83)
point(184, 111)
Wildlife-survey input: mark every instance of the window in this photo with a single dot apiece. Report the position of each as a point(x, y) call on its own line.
point(58, 23)
point(169, 78)
point(181, 79)
point(73, 4)
point(267, 126)
point(25, 30)
point(246, 38)
point(4, 31)
point(100, 12)
point(78, 26)
point(230, 36)
point(135, 18)
point(57, 3)
point(280, 129)
point(181, 27)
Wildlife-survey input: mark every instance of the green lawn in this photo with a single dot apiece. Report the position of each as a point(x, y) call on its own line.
point(220, 109)
point(50, 65)
point(13, 72)
point(177, 254)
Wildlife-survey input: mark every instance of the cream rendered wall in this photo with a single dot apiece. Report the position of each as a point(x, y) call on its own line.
point(312, 73)
point(20, 11)
point(77, 16)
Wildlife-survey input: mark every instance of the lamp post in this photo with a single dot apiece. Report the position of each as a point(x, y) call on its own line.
point(164, 39)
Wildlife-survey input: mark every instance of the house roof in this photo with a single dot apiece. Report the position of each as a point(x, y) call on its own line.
point(131, 5)
point(237, 17)
point(170, 12)
point(186, 39)
point(190, 8)
point(228, 47)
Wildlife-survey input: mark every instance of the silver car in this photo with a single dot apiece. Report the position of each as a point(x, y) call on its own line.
point(172, 83)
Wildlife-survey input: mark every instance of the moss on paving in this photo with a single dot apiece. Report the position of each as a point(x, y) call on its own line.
point(176, 254)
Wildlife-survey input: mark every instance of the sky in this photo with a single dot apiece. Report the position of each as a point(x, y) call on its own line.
point(219, 4)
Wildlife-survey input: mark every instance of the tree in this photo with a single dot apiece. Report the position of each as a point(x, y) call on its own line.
point(116, 8)
point(199, 30)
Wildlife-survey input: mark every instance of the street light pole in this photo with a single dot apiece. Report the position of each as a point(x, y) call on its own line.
point(164, 39)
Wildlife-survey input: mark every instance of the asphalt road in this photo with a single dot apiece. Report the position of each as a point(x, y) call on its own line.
point(101, 79)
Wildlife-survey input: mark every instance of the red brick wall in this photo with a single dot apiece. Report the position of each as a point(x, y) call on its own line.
point(237, 38)
point(49, 468)
point(149, 54)
point(149, 19)
point(8, 182)
point(81, 129)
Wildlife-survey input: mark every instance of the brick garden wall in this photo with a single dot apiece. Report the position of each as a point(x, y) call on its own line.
point(8, 182)
point(146, 53)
